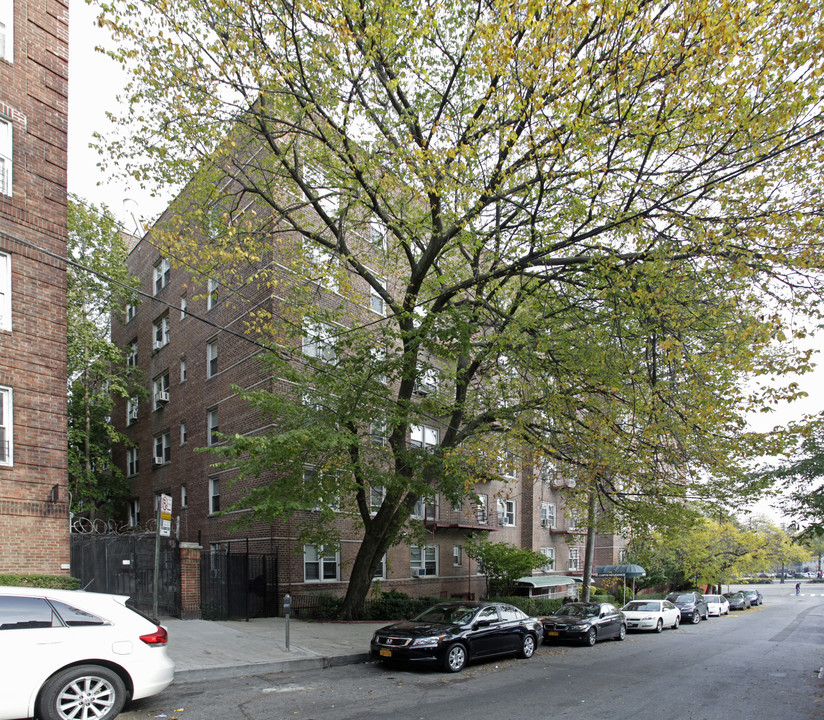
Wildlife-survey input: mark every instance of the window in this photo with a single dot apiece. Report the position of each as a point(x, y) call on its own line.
point(212, 427)
point(134, 512)
point(481, 509)
point(131, 354)
point(6, 427)
point(5, 157)
point(377, 494)
point(214, 495)
point(547, 515)
point(131, 410)
point(506, 512)
point(321, 187)
point(183, 369)
point(211, 358)
point(574, 559)
point(161, 332)
point(457, 556)
point(378, 234)
point(7, 30)
point(573, 518)
point(131, 312)
point(424, 437)
point(161, 391)
point(132, 466)
point(423, 560)
point(510, 464)
point(320, 565)
point(323, 266)
point(5, 292)
point(184, 497)
point(376, 303)
point(378, 433)
point(319, 342)
point(427, 381)
point(622, 556)
point(317, 487)
point(162, 274)
point(380, 571)
point(549, 553)
point(378, 356)
point(162, 449)
point(183, 436)
point(426, 508)
point(211, 293)
point(184, 306)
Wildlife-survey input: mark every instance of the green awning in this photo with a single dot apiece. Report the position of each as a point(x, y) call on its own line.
point(540, 581)
point(627, 570)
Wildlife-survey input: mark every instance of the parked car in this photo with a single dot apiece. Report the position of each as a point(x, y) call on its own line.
point(717, 605)
point(455, 633)
point(738, 601)
point(76, 654)
point(754, 596)
point(588, 622)
point(651, 615)
point(692, 605)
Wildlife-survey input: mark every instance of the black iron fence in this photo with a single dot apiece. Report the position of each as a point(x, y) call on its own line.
point(239, 585)
point(124, 565)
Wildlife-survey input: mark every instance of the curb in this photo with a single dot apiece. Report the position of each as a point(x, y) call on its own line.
point(228, 672)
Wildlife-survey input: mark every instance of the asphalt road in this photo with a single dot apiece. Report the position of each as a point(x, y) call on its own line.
point(760, 664)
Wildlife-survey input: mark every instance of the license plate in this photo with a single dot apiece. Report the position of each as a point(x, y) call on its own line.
point(553, 633)
point(386, 653)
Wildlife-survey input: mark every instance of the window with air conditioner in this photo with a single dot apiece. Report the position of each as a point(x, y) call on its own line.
point(506, 512)
point(132, 457)
point(214, 495)
point(161, 391)
point(321, 564)
point(427, 382)
point(547, 514)
point(6, 427)
point(162, 274)
point(6, 146)
point(162, 449)
point(131, 410)
point(7, 30)
point(5, 291)
point(426, 508)
point(319, 342)
point(423, 560)
point(481, 505)
point(160, 332)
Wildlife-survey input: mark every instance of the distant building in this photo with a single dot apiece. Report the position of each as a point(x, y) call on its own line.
point(34, 499)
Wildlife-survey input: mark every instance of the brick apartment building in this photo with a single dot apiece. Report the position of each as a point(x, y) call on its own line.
point(34, 526)
point(187, 336)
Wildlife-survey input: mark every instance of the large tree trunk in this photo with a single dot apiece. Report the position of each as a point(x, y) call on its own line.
point(375, 542)
point(589, 553)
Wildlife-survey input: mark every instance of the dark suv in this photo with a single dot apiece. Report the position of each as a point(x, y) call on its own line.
point(692, 605)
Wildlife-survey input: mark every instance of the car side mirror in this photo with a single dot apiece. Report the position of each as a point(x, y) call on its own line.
point(483, 623)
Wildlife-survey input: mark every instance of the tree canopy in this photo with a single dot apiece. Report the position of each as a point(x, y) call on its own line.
point(584, 221)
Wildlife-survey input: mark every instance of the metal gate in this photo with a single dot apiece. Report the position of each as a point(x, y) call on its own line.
point(238, 585)
point(124, 565)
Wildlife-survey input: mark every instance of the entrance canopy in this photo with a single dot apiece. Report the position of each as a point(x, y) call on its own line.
point(626, 570)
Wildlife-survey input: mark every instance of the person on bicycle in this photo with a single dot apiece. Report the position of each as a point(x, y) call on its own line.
point(798, 588)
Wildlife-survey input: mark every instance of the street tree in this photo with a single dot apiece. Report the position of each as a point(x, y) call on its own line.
point(570, 222)
point(98, 287)
point(501, 563)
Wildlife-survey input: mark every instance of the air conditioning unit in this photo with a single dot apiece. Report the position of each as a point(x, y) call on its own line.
point(545, 523)
point(162, 396)
point(158, 344)
point(133, 415)
point(418, 572)
point(158, 460)
point(571, 483)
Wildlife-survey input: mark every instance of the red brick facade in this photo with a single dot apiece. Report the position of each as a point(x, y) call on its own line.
point(34, 525)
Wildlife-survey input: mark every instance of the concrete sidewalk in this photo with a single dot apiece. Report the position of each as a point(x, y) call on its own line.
point(210, 650)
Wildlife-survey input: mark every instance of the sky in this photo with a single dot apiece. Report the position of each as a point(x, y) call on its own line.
point(94, 82)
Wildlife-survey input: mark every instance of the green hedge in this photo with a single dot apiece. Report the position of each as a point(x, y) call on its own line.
point(54, 582)
point(531, 606)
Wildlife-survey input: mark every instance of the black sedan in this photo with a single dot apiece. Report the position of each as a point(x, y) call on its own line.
point(588, 622)
point(692, 605)
point(738, 601)
point(754, 596)
point(454, 633)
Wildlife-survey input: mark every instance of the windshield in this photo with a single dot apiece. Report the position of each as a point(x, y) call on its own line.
point(735, 596)
point(582, 611)
point(681, 598)
point(643, 606)
point(712, 598)
point(453, 614)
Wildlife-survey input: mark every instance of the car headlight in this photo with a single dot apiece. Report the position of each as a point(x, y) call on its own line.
point(647, 617)
point(431, 641)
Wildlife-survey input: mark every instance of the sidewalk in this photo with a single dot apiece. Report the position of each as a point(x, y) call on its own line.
point(211, 650)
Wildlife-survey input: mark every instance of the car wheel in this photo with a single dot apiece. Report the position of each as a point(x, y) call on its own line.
point(80, 692)
point(660, 626)
point(455, 658)
point(696, 617)
point(677, 622)
point(707, 615)
point(528, 646)
point(591, 637)
point(622, 633)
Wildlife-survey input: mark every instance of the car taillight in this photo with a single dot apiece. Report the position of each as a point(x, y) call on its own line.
point(158, 637)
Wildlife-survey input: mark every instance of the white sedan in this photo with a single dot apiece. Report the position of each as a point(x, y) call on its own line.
point(74, 655)
point(717, 605)
point(651, 615)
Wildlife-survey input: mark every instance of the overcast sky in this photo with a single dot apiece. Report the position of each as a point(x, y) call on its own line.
point(95, 80)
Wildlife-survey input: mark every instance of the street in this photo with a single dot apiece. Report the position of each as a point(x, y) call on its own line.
point(760, 663)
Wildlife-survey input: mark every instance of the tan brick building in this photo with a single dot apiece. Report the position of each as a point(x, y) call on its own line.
point(34, 525)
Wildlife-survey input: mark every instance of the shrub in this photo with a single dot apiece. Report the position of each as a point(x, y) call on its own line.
point(53, 582)
point(531, 606)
